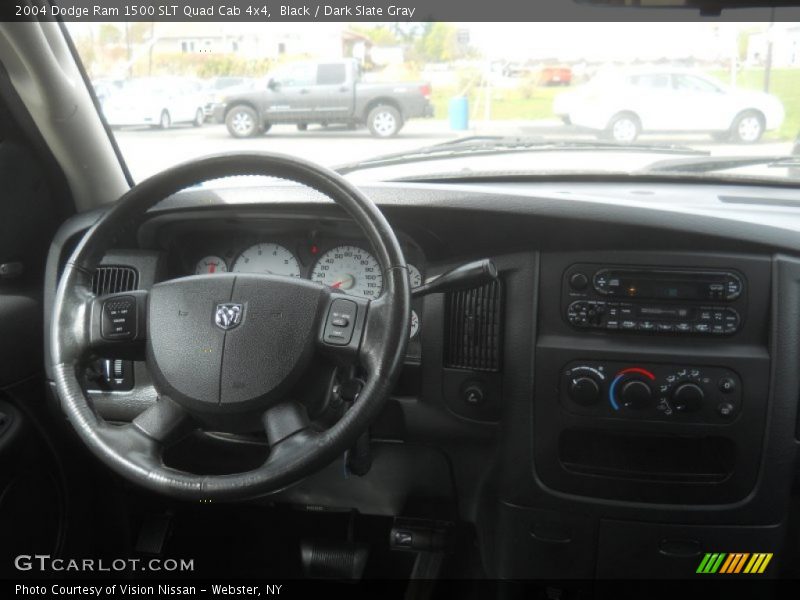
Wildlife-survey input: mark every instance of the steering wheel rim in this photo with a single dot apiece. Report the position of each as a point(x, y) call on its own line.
point(134, 450)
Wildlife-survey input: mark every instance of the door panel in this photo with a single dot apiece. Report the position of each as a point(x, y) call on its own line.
point(290, 99)
point(333, 97)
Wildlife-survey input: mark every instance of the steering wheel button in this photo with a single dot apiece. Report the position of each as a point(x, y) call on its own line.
point(119, 319)
point(339, 324)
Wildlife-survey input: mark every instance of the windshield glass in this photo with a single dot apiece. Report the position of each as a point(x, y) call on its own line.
point(626, 98)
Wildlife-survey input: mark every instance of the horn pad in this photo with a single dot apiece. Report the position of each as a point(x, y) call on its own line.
point(233, 342)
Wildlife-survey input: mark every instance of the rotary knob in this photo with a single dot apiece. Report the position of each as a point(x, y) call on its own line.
point(687, 397)
point(635, 394)
point(584, 390)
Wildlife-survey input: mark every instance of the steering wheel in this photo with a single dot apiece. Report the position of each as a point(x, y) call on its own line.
point(226, 350)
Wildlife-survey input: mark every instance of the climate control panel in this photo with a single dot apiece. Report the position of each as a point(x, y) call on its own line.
point(651, 391)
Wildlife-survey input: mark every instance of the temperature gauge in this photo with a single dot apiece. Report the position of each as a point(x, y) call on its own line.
point(414, 276)
point(414, 324)
point(210, 264)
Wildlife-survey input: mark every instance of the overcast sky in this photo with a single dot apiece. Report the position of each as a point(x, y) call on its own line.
point(567, 41)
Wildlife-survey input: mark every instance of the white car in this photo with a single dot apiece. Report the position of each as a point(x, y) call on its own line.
point(157, 102)
point(620, 105)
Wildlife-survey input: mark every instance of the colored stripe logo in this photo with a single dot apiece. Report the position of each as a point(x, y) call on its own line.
point(734, 563)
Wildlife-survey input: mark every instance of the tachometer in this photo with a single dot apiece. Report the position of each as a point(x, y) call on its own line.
point(350, 269)
point(210, 264)
point(268, 258)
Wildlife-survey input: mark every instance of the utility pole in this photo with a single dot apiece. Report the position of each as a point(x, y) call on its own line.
point(768, 65)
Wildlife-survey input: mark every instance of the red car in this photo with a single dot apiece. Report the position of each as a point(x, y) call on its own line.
point(555, 76)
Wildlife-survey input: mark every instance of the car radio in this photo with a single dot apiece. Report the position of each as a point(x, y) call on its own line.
point(657, 300)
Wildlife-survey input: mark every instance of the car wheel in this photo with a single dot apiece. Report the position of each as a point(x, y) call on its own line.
point(384, 121)
point(624, 128)
point(242, 122)
point(748, 127)
point(199, 118)
point(164, 121)
point(302, 126)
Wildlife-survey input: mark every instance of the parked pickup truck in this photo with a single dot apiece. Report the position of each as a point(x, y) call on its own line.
point(323, 92)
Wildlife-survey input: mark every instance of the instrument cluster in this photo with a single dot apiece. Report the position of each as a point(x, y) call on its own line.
point(343, 264)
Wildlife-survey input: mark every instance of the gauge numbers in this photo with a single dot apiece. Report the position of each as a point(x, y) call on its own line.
point(273, 259)
point(414, 324)
point(210, 264)
point(350, 269)
point(414, 276)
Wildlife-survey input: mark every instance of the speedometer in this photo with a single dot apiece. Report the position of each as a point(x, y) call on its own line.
point(268, 258)
point(350, 269)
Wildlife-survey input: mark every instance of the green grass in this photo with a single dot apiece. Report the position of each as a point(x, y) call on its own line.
point(507, 104)
point(785, 84)
point(528, 102)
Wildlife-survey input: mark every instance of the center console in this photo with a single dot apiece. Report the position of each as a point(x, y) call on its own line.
point(651, 376)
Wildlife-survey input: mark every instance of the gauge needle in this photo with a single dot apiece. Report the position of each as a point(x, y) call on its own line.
point(212, 268)
point(345, 282)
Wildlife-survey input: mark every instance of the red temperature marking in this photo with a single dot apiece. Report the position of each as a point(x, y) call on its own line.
point(638, 370)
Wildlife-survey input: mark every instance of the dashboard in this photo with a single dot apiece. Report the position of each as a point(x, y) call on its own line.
point(623, 399)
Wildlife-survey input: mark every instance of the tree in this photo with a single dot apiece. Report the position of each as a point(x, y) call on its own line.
point(439, 43)
point(109, 35)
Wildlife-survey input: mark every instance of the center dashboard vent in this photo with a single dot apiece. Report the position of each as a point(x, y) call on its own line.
point(473, 339)
point(114, 279)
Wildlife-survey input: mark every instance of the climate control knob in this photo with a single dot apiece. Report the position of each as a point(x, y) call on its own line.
point(687, 397)
point(635, 394)
point(584, 390)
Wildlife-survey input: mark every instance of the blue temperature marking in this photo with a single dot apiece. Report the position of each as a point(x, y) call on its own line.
point(611, 395)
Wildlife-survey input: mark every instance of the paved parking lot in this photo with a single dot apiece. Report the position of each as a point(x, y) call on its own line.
point(148, 151)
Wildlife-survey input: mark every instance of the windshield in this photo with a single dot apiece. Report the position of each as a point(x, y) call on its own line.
point(541, 98)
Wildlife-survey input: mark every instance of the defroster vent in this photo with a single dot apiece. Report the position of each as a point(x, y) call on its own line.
point(474, 320)
point(113, 279)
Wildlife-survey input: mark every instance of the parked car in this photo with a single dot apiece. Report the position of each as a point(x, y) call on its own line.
point(156, 101)
point(555, 76)
point(623, 104)
point(324, 92)
point(216, 88)
point(103, 88)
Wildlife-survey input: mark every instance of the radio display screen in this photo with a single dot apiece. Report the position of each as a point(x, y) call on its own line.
point(668, 290)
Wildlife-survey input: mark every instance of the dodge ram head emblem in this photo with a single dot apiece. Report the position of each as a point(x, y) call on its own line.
point(228, 316)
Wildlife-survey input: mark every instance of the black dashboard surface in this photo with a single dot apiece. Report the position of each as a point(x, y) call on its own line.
point(522, 457)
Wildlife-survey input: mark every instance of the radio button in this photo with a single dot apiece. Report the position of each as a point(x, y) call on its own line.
point(578, 281)
point(665, 327)
point(683, 327)
point(702, 328)
point(629, 325)
point(718, 329)
point(647, 325)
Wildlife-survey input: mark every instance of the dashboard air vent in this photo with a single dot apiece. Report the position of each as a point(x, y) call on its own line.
point(474, 327)
point(112, 280)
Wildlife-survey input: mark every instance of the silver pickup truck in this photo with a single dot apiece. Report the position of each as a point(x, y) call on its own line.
point(323, 92)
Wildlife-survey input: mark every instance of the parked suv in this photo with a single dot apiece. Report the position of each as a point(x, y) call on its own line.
point(622, 104)
point(303, 93)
